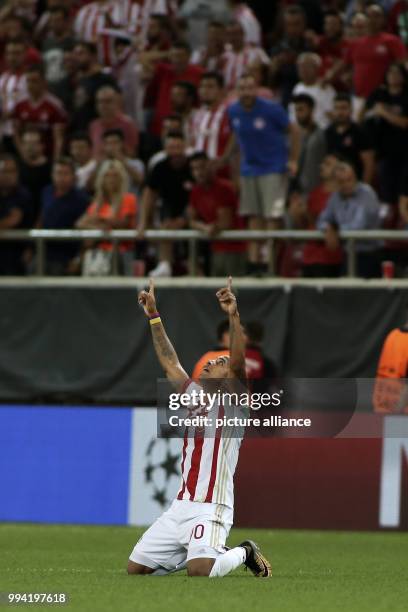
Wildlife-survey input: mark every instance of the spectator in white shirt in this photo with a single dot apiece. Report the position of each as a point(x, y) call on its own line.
point(308, 65)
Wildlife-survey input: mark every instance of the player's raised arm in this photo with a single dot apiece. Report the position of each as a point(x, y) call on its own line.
point(163, 347)
point(228, 303)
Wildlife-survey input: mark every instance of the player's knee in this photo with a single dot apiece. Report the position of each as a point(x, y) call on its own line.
point(200, 567)
point(137, 569)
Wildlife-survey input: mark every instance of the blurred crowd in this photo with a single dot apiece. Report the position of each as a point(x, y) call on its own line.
point(208, 115)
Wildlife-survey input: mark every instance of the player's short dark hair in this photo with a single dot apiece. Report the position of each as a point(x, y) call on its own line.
point(198, 156)
point(118, 133)
point(80, 136)
point(67, 161)
point(304, 98)
point(213, 76)
point(343, 97)
point(88, 46)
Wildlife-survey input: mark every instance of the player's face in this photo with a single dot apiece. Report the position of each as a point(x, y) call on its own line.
point(216, 368)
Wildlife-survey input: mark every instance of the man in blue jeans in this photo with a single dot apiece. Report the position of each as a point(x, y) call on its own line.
point(269, 149)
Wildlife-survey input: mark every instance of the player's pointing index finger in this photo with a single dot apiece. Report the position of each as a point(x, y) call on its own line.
point(151, 287)
point(229, 283)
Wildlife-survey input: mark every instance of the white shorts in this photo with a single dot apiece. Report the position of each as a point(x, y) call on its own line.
point(187, 530)
point(263, 196)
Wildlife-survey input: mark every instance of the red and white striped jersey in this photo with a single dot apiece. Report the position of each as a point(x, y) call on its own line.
point(249, 23)
point(99, 23)
point(12, 88)
point(236, 63)
point(211, 130)
point(209, 459)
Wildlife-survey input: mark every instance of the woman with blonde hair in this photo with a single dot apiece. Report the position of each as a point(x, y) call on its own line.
point(114, 207)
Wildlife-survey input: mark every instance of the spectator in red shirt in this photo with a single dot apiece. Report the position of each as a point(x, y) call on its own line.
point(39, 108)
point(371, 55)
point(317, 259)
point(331, 47)
point(158, 94)
point(110, 117)
point(213, 208)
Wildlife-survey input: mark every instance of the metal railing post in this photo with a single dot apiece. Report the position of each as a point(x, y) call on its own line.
point(115, 258)
point(351, 258)
point(192, 257)
point(40, 256)
point(271, 259)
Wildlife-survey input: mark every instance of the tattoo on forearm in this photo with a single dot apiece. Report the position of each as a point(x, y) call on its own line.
point(164, 348)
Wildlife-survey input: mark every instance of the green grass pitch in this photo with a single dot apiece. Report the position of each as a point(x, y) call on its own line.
point(313, 571)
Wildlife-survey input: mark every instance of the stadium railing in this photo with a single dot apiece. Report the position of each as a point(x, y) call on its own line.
point(350, 237)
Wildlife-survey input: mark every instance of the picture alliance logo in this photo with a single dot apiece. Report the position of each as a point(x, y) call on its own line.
point(207, 401)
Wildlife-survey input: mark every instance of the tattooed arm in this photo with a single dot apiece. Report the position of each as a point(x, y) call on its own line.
point(228, 303)
point(162, 345)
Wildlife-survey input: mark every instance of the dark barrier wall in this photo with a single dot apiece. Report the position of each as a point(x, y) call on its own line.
point(93, 345)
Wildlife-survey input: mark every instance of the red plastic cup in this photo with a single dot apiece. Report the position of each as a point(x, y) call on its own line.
point(388, 269)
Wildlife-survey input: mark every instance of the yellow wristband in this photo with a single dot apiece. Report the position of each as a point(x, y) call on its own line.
point(155, 321)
